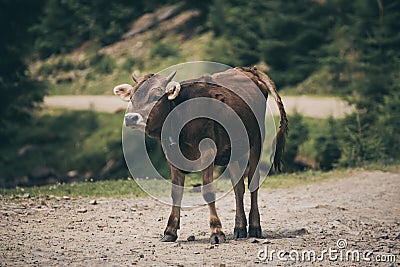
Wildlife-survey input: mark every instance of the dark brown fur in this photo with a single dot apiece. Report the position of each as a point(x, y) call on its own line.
point(200, 128)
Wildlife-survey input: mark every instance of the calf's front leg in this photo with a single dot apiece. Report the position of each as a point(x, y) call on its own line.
point(178, 181)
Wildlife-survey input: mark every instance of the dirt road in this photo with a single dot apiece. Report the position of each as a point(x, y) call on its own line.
point(311, 106)
point(361, 211)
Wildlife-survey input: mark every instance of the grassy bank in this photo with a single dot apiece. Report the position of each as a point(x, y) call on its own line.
point(79, 141)
point(129, 188)
point(87, 145)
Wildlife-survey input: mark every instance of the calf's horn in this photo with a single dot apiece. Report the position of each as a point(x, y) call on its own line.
point(171, 76)
point(134, 77)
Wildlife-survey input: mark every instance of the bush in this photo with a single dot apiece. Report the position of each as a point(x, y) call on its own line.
point(298, 134)
point(327, 146)
point(389, 124)
point(360, 143)
point(103, 64)
point(131, 63)
point(164, 50)
point(61, 64)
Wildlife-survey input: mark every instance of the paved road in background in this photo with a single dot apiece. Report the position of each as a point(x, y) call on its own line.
point(311, 106)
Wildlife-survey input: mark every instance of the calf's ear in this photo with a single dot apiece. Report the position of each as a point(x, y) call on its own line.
point(172, 90)
point(124, 91)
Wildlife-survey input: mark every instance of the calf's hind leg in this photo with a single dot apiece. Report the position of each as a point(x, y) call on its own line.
point(240, 230)
point(217, 236)
point(253, 183)
point(178, 181)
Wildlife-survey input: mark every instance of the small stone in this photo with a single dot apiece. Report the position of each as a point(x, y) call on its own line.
point(93, 202)
point(197, 252)
point(398, 236)
point(191, 238)
point(66, 198)
point(81, 210)
point(254, 241)
point(266, 241)
point(141, 256)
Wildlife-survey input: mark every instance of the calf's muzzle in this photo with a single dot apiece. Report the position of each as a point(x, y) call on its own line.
point(133, 119)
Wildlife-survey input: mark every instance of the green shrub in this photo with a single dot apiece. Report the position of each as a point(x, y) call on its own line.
point(164, 50)
point(389, 124)
point(298, 134)
point(360, 143)
point(327, 146)
point(131, 63)
point(103, 64)
point(61, 64)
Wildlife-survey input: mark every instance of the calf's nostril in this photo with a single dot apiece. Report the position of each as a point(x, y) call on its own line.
point(132, 119)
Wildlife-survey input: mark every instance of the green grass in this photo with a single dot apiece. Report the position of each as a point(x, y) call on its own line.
point(109, 188)
point(65, 140)
point(287, 180)
point(303, 178)
point(129, 188)
point(318, 83)
point(117, 188)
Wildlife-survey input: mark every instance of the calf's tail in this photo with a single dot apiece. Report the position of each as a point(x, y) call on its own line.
point(267, 85)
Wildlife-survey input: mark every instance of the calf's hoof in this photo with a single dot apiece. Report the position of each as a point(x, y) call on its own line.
point(255, 231)
point(169, 238)
point(217, 238)
point(240, 232)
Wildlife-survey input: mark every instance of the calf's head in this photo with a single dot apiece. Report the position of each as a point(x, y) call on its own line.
point(148, 100)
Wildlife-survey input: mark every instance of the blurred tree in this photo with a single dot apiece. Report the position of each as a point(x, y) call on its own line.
point(293, 33)
point(19, 93)
point(286, 35)
point(365, 67)
point(326, 145)
point(236, 26)
point(298, 134)
point(66, 24)
point(377, 39)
